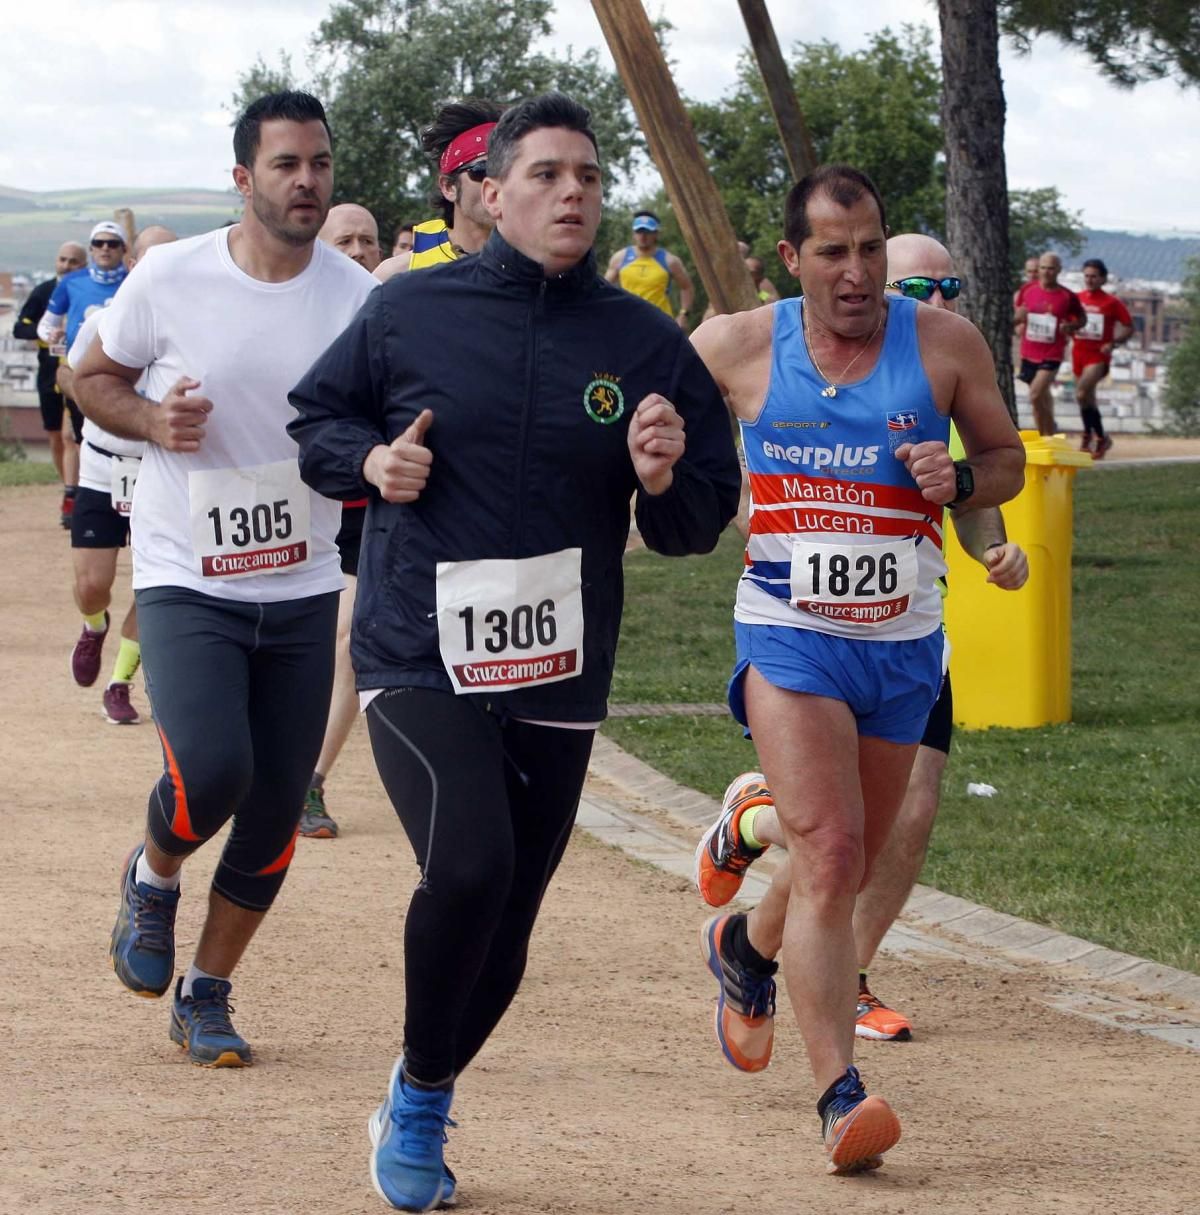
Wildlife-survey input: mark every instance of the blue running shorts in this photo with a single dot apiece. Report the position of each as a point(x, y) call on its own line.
point(890, 686)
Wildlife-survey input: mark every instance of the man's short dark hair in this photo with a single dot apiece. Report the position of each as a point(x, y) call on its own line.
point(843, 183)
point(293, 106)
point(448, 124)
point(548, 110)
point(648, 214)
point(405, 226)
point(1096, 264)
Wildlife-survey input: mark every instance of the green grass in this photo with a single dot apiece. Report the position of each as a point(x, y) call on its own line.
point(26, 472)
point(1094, 829)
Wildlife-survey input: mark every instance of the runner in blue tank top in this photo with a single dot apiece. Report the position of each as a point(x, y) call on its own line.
point(844, 400)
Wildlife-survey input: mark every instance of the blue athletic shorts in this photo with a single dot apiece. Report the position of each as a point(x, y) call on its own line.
point(890, 686)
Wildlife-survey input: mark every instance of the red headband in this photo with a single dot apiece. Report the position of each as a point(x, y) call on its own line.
point(468, 146)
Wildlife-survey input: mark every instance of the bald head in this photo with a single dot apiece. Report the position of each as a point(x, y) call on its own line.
point(352, 230)
point(912, 255)
point(1049, 268)
point(71, 256)
point(148, 237)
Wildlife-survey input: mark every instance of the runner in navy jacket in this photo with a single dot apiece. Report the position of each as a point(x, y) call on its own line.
point(501, 411)
point(532, 383)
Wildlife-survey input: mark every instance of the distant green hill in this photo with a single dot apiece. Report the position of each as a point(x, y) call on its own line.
point(33, 225)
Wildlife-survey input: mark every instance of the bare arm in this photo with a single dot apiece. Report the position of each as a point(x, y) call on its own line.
point(104, 390)
point(613, 273)
point(982, 536)
point(977, 529)
point(742, 519)
point(392, 266)
point(963, 378)
point(736, 349)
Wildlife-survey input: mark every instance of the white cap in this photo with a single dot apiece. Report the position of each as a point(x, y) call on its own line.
point(106, 227)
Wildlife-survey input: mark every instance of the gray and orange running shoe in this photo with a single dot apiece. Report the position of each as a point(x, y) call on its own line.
point(745, 1017)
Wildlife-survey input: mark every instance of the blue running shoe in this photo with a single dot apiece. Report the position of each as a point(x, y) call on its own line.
point(377, 1124)
point(201, 1025)
point(143, 939)
point(407, 1133)
point(857, 1129)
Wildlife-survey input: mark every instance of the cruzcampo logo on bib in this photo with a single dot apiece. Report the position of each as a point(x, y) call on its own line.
point(603, 400)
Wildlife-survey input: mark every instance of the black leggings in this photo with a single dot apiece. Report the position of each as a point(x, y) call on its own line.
point(240, 693)
point(488, 805)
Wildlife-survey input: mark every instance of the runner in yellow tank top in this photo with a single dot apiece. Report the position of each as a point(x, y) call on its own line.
point(646, 270)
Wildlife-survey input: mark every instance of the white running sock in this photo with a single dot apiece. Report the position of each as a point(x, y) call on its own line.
point(143, 873)
point(193, 973)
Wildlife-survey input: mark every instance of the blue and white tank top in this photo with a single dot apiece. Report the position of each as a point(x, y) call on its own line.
point(841, 540)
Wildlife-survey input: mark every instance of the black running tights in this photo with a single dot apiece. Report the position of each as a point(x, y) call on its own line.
point(488, 805)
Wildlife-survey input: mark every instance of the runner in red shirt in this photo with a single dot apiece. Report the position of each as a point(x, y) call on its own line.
point(1108, 324)
point(1046, 316)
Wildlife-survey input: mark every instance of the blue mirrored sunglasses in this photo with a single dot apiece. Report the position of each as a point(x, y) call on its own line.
point(918, 287)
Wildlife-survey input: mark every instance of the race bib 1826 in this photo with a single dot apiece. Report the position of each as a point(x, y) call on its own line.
point(854, 583)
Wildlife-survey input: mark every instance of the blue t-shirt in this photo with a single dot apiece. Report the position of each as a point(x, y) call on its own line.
point(81, 292)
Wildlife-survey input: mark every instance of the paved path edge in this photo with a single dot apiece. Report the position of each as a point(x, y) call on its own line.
point(643, 789)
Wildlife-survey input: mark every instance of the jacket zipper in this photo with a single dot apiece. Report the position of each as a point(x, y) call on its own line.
point(537, 313)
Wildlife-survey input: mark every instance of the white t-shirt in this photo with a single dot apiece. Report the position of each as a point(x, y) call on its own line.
point(95, 469)
point(210, 520)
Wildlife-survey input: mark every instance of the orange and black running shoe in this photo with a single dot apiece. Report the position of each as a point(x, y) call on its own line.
point(722, 858)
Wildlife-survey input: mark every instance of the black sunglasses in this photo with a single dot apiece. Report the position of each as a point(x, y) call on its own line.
point(477, 171)
point(100, 243)
point(920, 288)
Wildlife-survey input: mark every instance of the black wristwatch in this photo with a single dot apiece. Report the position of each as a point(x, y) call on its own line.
point(964, 482)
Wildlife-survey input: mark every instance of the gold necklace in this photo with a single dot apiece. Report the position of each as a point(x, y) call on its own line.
point(830, 389)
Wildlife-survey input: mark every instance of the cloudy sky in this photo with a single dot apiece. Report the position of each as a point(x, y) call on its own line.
point(134, 95)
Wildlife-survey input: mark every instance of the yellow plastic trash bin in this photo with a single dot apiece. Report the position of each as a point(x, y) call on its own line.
point(1010, 651)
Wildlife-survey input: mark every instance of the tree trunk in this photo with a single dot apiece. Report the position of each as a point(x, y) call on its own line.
point(688, 180)
point(976, 180)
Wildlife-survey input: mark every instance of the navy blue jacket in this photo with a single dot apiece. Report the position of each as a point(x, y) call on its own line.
point(532, 383)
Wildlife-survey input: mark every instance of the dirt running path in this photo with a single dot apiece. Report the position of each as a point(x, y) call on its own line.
point(602, 1093)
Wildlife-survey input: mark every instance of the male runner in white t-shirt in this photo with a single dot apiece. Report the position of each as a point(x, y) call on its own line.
point(235, 568)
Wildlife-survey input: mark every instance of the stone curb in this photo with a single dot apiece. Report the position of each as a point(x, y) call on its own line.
point(632, 806)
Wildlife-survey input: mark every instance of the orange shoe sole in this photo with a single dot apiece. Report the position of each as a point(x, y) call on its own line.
point(859, 1138)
